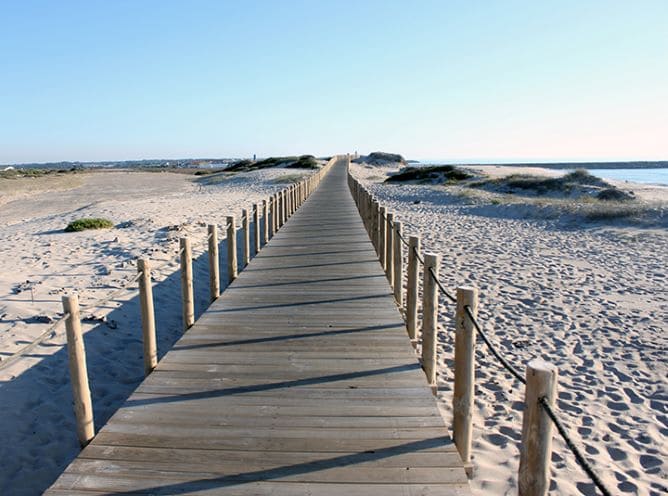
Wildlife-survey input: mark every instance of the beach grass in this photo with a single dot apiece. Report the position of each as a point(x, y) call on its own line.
point(89, 223)
point(577, 182)
point(297, 162)
point(434, 174)
point(288, 179)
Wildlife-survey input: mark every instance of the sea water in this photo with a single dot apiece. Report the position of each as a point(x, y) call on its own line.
point(649, 176)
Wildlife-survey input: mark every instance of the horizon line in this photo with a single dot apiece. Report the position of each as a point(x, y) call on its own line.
point(452, 161)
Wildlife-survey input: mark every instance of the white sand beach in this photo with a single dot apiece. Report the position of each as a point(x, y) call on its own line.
point(591, 298)
point(39, 263)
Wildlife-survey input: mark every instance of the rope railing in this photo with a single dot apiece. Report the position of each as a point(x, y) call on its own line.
point(506, 365)
point(418, 257)
point(544, 403)
point(26, 349)
point(441, 287)
point(50, 331)
point(574, 449)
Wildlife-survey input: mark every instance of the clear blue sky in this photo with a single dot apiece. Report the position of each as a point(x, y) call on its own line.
point(125, 79)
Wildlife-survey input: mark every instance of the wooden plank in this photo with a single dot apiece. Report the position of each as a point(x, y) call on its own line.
point(235, 472)
point(299, 379)
point(269, 459)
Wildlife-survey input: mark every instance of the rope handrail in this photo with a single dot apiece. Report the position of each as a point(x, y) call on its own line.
point(440, 286)
point(113, 294)
point(571, 445)
point(417, 256)
point(513, 371)
point(402, 239)
point(18, 354)
point(582, 461)
point(99, 303)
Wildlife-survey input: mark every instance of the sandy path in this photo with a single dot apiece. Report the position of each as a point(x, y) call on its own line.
point(593, 301)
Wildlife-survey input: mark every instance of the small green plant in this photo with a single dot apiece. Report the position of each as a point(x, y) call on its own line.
point(288, 178)
point(301, 162)
point(304, 162)
point(89, 223)
point(441, 173)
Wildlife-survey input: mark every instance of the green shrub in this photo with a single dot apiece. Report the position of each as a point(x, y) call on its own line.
point(288, 179)
point(579, 181)
point(448, 173)
point(614, 194)
point(88, 223)
point(304, 162)
point(301, 162)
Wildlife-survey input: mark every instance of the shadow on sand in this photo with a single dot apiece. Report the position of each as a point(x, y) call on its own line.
point(36, 415)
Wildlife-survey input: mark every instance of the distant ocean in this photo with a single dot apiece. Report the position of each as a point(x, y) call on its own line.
point(650, 176)
point(638, 174)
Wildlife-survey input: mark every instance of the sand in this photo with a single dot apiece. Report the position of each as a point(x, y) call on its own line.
point(590, 298)
point(152, 211)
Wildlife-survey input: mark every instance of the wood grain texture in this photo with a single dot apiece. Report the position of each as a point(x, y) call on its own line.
point(299, 379)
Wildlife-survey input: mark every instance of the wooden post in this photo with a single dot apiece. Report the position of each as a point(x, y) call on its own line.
point(245, 226)
point(382, 236)
point(188, 302)
point(83, 407)
point(389, 249)
point(265, 223)
point(412, 290)
point(231, 249)
point(374, 224)
point(536, 447)
point(256, 228)
point(214, 267)
point(284, 202)
point(147, 316)
point(272, 224)
point(290, 202)
point(462, 400)
point(398, 265)
point(430, 317)
point(288, 207)
point(369, 214)
point(362, 208)
point(281, 209)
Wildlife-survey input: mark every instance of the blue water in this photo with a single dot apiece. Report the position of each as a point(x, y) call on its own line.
point(650, 176)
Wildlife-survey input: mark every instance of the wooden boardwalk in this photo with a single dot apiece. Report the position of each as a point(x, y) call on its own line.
point(299, 380)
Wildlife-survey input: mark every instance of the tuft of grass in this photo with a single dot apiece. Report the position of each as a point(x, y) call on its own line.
point(304, 162)
point(440, 173)
point(301, 162)
point(288, 178)
point(614, 194)
point(578, 182)
point(611, 211)
point(89, 223)
point(380, 158)
point(30, 172)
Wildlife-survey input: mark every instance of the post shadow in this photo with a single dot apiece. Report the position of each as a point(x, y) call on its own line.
point(36, 417)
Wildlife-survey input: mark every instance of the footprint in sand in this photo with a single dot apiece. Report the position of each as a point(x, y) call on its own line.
point(616, 454)
point(649, 462)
